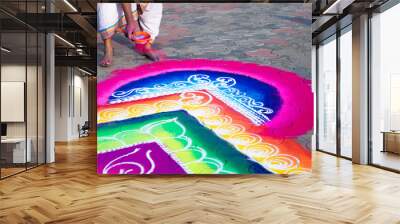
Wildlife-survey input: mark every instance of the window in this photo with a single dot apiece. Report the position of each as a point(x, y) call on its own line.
point(327, 96)
point(345, 93)
point(22, 101)
point(385, 89)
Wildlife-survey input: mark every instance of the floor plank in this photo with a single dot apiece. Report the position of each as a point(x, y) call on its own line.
point(70, 191)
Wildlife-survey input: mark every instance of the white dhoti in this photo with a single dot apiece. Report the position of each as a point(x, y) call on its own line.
point(110, 17)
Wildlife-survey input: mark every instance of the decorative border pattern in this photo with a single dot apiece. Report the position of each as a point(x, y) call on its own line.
point(223, 87)
point(177, 143)
point(212, 114)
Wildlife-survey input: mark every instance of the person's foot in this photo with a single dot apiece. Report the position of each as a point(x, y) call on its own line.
point(107, 59)
point(151, 54)
point(148, 52)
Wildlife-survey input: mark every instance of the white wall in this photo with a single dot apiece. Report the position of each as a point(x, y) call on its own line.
point(81, 100)
point(33, 127)
point(62, 81)
point(13, 73)
point(71, 94)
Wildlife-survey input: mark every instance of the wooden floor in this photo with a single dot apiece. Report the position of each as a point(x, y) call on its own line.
point(10, 171)
point(387, 159)
point(70, 191)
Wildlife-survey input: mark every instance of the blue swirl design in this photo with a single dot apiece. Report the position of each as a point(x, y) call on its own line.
point(256, 100)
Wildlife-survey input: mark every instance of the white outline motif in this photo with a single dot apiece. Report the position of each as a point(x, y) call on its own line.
point(147, 129)
point(201, 107)
point(221, 87)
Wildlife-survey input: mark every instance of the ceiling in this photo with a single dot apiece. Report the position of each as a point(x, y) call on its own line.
point(74, 22)
point(330, 15)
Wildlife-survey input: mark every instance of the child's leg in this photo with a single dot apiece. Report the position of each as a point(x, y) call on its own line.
point(108, 53)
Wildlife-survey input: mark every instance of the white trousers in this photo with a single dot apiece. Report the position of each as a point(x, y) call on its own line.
point(110, 16)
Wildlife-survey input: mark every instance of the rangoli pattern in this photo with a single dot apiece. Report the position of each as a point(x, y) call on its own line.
point(250, 111)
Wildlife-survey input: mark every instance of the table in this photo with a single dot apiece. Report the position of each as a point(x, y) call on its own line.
point(18, 149)
point(391, 141)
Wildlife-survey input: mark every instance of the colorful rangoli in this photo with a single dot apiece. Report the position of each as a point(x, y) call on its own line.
point(203, 117)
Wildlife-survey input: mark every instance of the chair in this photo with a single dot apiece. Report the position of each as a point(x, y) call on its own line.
point(84, 130)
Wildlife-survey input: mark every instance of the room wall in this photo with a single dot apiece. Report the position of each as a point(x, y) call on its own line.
point(32, 127)
point(80, 109)
point(13, 73)
point(62, 80)
point(71, 102)
point(17, 73)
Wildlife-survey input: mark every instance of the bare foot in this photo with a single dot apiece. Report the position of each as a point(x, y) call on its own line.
point(106, 61)
point(151, 54)
point(148, 52)
point(108, 52)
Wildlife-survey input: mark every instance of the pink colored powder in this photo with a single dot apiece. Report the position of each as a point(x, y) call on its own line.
point(293, 119)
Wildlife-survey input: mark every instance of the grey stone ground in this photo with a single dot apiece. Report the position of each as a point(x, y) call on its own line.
point(272, 34)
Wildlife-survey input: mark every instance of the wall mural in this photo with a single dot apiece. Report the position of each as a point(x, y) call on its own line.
point(203, 117)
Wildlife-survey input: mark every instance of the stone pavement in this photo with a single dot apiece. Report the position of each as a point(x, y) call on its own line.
point(272, 34)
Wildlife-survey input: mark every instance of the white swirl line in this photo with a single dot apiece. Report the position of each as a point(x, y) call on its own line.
point(109, 166)
point(153, 165)
point(246, 105)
